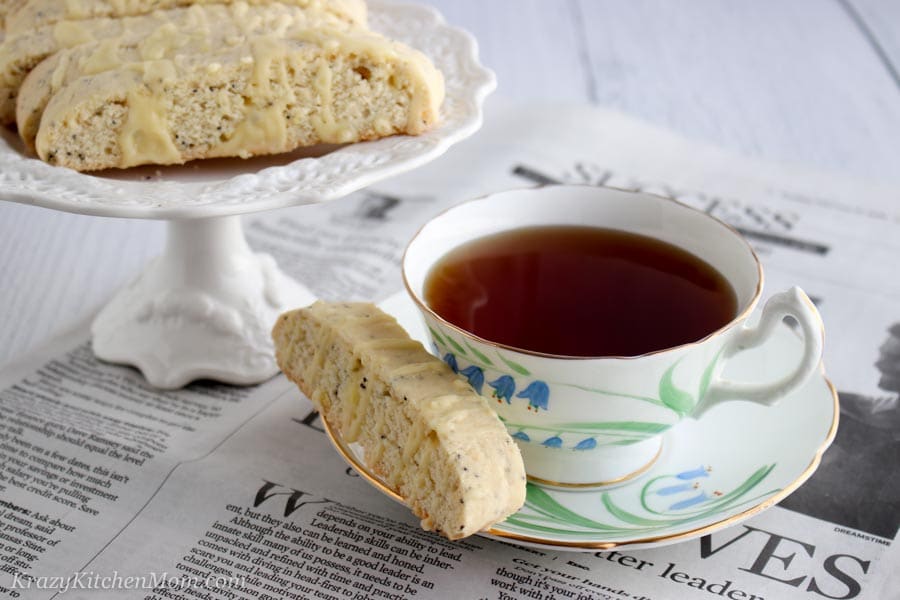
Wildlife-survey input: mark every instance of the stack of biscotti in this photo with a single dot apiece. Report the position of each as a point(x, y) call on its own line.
point(424, 430)
point(204, 79)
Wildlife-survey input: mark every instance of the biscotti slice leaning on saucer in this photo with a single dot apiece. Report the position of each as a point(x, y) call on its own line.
point(424, 430)
point(23, 50)
point(268, 96)
point(29, 14)
point(200, 30)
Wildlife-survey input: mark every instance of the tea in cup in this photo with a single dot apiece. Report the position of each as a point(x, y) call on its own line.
point(596, 319)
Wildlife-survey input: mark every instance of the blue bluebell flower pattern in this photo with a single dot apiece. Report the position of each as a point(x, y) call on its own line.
point(450, 359)
point(517, 383)
point(694, 501)
point(687, 482)
point(553, 442)
point(504, 388)
point(700, 471)
point(538, 395)
point(586, 444)
point(475, 375)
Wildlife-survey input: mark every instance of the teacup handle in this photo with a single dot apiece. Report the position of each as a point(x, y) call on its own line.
point(794, 303)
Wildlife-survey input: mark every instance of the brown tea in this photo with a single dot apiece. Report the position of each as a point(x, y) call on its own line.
point(579, 291)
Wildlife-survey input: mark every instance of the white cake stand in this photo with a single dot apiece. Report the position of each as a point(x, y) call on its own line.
point(204, 308)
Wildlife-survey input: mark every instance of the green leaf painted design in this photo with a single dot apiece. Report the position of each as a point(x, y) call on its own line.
point(478, 354)
point(527, 523)
point(751, 482)
point(631, 426)
point(680, 401)
point(541, 502)
point(653, 401)
point(514, 366)
point(437, 337)
point(706, 378)
point(670, 396)
point(455, 345)
point(724, 501)
point(544, 514)
point(624, 515)
point(644, 490)
point(633, 430)
point(625, 442)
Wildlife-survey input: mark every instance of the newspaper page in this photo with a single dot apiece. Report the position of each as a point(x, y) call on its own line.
point(109, 488)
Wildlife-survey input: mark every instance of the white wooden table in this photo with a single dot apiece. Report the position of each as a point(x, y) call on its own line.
point(811, 82)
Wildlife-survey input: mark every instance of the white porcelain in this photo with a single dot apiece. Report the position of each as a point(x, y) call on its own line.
point(596, 421)
point(204, 309)
point(235, 186)
point(737, 461)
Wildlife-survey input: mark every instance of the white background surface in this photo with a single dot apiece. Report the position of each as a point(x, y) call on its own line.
point(808, 82)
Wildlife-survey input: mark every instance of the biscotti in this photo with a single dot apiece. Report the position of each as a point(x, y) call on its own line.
point(36, 13)
point(23, 50)
point(205, 30)
point(424, 430)
point(7, 8)
point(268, 96)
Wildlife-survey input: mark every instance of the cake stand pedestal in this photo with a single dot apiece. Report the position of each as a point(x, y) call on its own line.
point(203, 309)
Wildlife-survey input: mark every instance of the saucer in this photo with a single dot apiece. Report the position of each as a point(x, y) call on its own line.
point(738, 460)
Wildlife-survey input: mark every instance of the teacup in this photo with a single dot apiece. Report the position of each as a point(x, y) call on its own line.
point(584, 422)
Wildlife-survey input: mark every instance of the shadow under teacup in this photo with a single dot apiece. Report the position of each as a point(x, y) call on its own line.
point(591, 421)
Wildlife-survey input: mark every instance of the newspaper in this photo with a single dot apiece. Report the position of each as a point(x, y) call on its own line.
point(109, 488)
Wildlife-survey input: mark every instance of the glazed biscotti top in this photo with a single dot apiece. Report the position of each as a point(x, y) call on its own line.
point(30, 14)
point(423, 428)
point(208, 30)
point(267, 96)
point(23, 50)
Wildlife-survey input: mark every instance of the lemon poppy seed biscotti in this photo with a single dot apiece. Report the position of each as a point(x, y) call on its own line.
point(35, 13)
point(22, 50)
point(423, 428)
point(268, 96)
point(201, 30)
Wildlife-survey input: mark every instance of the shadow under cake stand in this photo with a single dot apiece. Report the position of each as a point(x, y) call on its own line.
point(205, 307)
